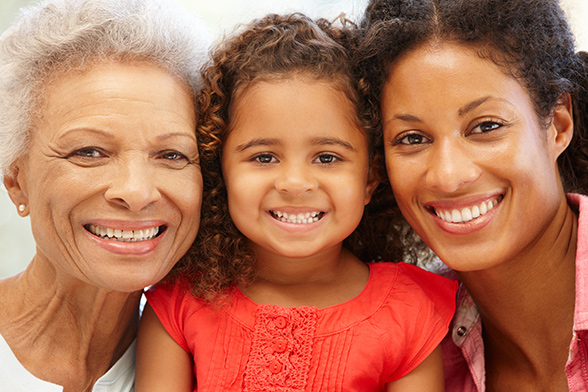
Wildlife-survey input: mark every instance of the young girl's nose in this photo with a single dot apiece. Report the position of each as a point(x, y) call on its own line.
point(133, 185)
point(295, 180)
point(451, 166)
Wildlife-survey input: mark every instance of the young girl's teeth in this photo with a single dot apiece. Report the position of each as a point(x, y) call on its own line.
point(467, 213)
point(123, 235)
point(297, 218)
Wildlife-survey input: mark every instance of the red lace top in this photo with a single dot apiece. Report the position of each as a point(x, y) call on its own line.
point(398, 319)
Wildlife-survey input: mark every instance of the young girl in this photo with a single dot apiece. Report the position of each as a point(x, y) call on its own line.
point(270, 299)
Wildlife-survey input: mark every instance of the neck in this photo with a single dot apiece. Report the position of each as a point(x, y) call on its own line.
point(83, 328)
point(323, 280)
point(527, 305)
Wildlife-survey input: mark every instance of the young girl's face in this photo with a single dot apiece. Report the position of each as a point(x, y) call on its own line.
point(471, 166)
point(295, 165)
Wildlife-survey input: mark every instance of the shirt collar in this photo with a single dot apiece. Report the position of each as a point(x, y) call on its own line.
point(581, 305)
point(466, 316)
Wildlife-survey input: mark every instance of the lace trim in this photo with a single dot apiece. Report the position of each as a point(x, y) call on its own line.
point(281, 349)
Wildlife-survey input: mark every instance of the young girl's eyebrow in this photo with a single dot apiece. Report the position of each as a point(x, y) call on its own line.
point(318, 141)
point(326, 141)
point(258, 142)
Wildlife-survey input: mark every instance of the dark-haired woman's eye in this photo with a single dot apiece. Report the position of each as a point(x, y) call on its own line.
point(486, 126)
point(410, 138)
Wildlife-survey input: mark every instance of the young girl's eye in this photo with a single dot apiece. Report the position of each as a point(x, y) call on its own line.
point(486, 126)
point(326, 159)
point(264, 158)
point(410, 138)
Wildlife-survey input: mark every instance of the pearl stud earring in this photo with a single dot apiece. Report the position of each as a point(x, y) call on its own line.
point(21, 207)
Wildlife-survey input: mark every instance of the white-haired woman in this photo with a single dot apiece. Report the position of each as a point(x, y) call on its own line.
point(98, 146)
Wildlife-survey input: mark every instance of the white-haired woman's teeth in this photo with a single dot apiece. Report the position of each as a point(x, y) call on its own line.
point(466, 214)
point(123, 235)
point(297, 218)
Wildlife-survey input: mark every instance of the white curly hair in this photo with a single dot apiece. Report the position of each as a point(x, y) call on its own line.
point(57, 36)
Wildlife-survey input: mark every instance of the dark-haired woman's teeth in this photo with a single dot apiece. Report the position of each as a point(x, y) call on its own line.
point(297, 218)
point(468, 213)
point(123, 235)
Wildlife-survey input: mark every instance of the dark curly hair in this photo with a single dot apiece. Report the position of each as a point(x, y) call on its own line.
point(274, 47)
point(530, 39)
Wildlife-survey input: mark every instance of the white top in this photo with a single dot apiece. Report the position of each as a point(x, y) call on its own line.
point(15, 378)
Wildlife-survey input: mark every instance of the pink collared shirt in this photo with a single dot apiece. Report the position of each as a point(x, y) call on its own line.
point(463, 347)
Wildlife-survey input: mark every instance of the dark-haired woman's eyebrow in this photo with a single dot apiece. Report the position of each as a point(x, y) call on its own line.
point(472, 105)
point(404, 117)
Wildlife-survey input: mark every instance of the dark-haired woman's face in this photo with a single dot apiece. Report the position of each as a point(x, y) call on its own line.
point(472, 168)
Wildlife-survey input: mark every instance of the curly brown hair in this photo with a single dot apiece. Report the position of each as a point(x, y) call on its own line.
point(273, 48)
point(530, 39)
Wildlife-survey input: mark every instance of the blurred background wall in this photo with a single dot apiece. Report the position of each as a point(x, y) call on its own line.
point(16, 243)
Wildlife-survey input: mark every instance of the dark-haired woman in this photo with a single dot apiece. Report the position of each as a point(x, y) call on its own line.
point(482, 109)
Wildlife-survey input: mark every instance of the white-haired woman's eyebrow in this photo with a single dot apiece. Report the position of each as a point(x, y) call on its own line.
point(171, 135)
point(86, 130)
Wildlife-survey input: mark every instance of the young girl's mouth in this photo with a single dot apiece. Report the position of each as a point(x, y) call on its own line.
point(109, 233)
point(466, 214)
point(299, 218)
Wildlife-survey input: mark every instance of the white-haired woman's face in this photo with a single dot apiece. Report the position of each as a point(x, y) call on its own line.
point(112, 179)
